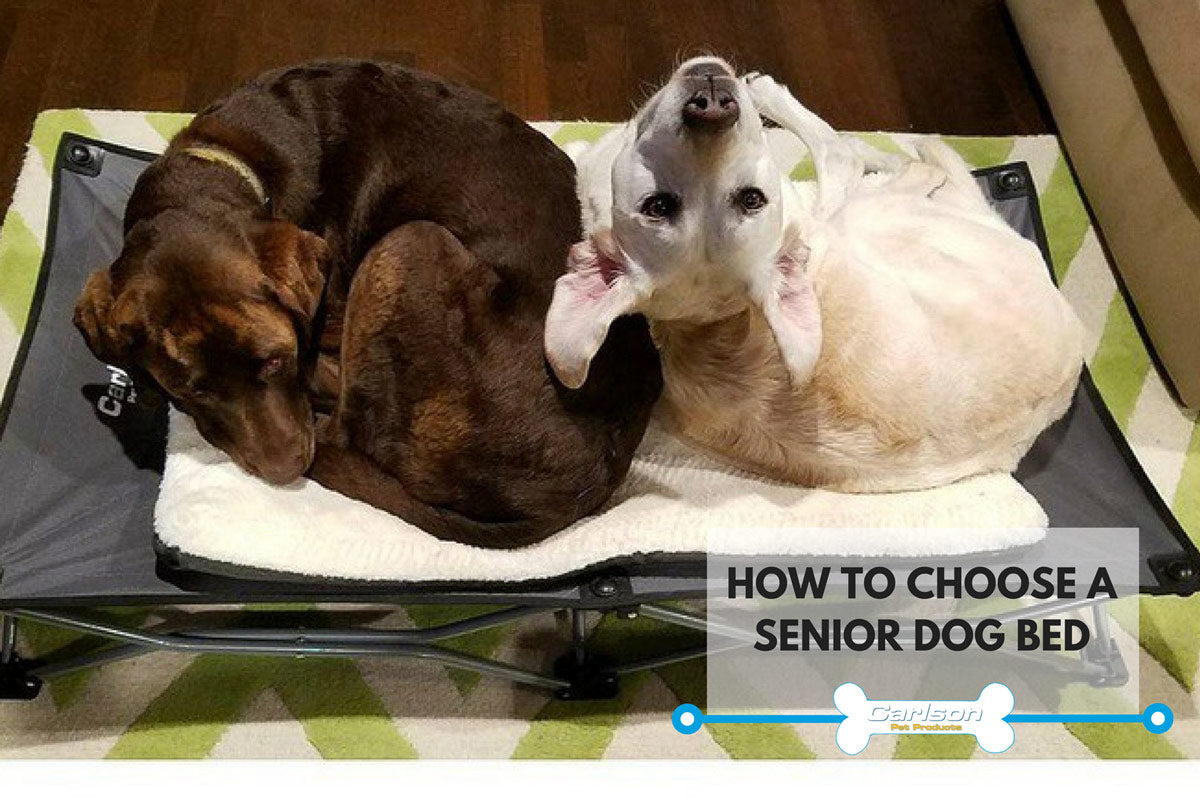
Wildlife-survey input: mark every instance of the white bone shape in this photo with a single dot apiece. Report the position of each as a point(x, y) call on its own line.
point(983, 718)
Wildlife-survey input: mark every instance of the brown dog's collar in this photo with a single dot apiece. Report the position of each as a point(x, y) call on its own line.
point(219, 155)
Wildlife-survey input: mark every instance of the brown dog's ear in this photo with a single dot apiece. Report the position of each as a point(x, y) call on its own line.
point(297, 263)
point(110, 339)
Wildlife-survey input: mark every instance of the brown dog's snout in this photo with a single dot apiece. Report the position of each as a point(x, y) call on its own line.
point(283, 464)
point(278, 450)
point(712, 106)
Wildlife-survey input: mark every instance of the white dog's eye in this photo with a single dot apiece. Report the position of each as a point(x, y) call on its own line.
point(663, 205)
point(750, 199)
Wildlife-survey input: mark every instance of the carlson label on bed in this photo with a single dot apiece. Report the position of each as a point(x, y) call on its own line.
point(119, 393)
point(924, 632)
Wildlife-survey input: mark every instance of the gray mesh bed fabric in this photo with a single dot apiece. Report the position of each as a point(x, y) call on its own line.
point(80, 463)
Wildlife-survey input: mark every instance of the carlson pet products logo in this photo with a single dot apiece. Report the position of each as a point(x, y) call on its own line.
point(984, 717)
point(119, 392)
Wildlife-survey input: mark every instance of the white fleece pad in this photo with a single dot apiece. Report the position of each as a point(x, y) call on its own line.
point(675, 500)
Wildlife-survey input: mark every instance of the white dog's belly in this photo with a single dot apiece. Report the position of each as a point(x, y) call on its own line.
point(945, 327)
point(839, 440)
point(942, 360)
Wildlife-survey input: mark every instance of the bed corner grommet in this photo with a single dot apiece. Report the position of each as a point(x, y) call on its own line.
point(609, 588)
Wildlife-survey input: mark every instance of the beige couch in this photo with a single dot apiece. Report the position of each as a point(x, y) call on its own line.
point(1123, 80)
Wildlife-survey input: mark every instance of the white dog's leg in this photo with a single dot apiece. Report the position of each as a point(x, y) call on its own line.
point(902, 173)
point(837, 165)
point(876, 160)
point(960, 188)
point(786, 149)
point(919, 178)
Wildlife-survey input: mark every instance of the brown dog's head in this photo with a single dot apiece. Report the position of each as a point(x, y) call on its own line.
point(218, 313)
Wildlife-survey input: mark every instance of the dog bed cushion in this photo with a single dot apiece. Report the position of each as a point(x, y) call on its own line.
point(675, 500)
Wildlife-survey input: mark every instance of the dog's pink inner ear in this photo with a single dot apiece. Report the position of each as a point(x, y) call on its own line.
point(794, 315)
point(593, 269)
point(594, 291)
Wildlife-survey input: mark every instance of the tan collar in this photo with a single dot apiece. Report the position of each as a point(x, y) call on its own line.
point(219, 155)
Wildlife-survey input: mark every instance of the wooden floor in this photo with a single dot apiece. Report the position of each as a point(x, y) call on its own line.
point(922, 65)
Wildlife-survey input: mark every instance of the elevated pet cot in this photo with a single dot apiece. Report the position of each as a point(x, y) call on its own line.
point(80, 470)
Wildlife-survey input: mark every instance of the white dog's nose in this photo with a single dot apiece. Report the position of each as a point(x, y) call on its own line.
point(712, 104)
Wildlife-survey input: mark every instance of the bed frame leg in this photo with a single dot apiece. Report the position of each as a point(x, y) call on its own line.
point(1102, 657)
point(15, 681)
point(592, 677)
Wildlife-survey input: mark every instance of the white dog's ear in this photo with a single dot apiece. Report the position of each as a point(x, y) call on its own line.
point(789, 304)
point(596, 289)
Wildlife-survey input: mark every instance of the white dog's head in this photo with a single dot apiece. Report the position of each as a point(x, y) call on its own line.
point(698, 228)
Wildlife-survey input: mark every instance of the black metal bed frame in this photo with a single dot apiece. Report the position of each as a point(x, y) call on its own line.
point(578, 674)
point(1170, 565)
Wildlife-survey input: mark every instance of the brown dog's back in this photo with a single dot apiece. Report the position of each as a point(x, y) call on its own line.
point(447, 416)
point(363, 147)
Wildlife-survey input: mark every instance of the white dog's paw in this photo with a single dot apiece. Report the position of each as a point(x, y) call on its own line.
point(770, 97)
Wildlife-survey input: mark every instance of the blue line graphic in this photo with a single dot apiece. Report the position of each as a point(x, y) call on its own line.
point(1157, 718)
point(773, 717)
point(1074, 718)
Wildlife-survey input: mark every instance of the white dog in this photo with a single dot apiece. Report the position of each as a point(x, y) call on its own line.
point(881, 330)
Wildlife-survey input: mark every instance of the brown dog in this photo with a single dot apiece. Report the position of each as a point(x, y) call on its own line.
point(447, 415)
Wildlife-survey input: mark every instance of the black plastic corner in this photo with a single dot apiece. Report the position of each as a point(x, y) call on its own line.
point(1176, 573)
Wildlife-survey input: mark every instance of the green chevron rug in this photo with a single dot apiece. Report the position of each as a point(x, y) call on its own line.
point(175, 706)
